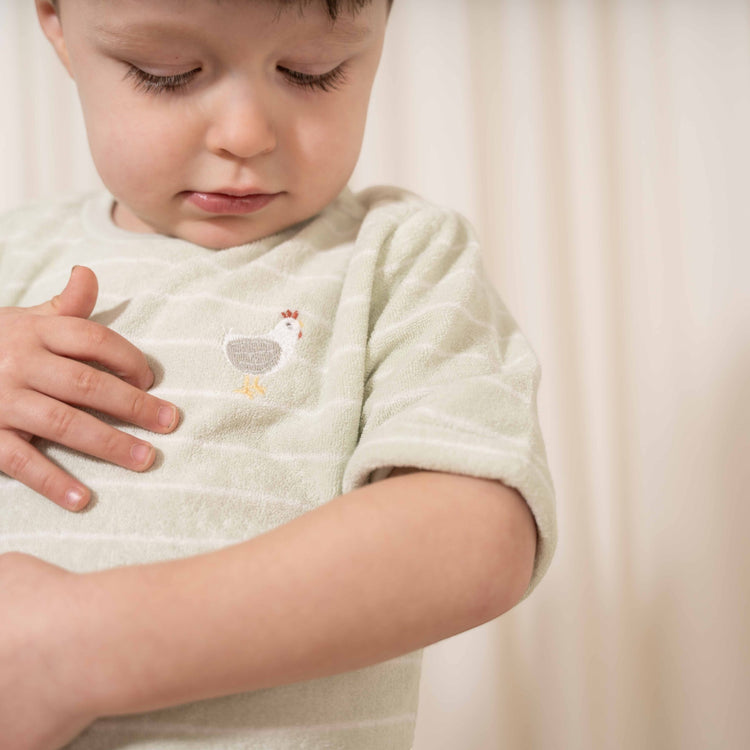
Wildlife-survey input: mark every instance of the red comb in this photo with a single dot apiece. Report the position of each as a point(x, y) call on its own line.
point(290, 314)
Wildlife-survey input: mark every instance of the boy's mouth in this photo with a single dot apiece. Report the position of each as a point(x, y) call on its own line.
point(230, 201)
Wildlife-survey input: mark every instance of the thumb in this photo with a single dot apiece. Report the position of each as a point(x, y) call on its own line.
point(78, 298)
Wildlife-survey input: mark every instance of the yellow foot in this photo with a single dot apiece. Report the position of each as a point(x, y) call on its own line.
point(251, 390)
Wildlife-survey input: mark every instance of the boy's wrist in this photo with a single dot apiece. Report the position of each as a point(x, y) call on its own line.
point(75, 637)
point(45, 696)
point(106, 630)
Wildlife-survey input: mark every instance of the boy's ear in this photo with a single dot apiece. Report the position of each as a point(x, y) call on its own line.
point(49, 20)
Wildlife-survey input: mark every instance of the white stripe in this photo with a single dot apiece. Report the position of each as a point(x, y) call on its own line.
point(434, 247)
point(193, 487)
point(411, 396)
point(239, 493)
point(340, 351)
point(124, 538)
point(466, 425)
point(188, 343)
point(263, 403)
point(191, 298)
point(273, 454)
point(383, 373)
point(216, 342)
point(357, 299)
point(157, 727)
point(419, 282)
point(422, 312)
point(415, 394)
point(171, 393)
point(142, 487)
point(217, 269)
point(482, 431)
point(311, 364)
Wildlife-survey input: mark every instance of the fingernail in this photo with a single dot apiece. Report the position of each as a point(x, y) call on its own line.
point(74, 497)
point(141, 453)
point(166, 416)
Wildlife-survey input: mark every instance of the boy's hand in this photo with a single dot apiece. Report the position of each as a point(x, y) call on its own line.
point(43, 376)
point(43, 703)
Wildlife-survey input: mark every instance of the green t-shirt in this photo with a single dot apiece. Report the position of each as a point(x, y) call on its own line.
point(306, 364)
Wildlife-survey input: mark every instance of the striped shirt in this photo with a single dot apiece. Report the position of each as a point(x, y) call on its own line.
point(306, 364)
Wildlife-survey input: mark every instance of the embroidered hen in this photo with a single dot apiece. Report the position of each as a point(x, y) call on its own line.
point(263, 355)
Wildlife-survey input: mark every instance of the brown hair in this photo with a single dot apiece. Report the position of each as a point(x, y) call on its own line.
point(334, 7)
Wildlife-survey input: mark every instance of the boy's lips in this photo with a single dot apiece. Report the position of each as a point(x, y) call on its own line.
point(231, 201)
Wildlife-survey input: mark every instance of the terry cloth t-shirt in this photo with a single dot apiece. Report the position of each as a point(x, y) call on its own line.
point(306, 364)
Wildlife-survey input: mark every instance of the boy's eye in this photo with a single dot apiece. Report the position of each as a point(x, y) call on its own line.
point(152, 84)
point(330, 81)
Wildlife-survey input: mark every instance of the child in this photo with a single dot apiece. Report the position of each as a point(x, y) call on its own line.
point(358, 470)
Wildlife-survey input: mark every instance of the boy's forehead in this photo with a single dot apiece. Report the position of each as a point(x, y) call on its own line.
point(342, 32)
point(133, 22)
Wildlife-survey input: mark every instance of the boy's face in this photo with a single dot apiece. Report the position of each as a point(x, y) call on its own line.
point(186, 101)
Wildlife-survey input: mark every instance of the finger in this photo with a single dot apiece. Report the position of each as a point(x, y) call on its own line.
point(64, 424)
point(80, 384)
point(22, 461)
point(86, 340)
point(77, 299)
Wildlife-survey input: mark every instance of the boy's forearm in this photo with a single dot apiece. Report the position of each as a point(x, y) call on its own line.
point(379, 572)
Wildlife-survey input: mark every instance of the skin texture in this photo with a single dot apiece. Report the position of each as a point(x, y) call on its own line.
point(378, 572)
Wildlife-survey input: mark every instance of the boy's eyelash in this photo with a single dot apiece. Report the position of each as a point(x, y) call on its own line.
point(330, 81)
point(151, 84)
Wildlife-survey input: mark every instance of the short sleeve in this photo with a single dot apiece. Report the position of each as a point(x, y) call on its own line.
point(451, 382)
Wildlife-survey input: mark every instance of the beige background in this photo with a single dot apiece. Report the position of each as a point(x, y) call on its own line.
point(601, 149)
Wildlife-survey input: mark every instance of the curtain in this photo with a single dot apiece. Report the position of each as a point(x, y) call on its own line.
point(600, 147)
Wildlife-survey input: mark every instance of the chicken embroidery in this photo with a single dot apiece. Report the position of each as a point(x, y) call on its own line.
point(263, 355)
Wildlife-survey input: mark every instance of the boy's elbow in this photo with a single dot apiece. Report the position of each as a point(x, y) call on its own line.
point(492, 531)
point(511, 559)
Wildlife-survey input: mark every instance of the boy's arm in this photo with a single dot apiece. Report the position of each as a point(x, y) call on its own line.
point(379, 572)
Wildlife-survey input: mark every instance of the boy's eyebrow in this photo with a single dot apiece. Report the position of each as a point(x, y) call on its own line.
point(137, 33)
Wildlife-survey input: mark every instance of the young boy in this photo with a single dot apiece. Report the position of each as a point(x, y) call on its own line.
point(358, 470)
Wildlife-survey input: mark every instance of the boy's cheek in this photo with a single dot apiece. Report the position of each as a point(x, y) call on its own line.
point(134, 157)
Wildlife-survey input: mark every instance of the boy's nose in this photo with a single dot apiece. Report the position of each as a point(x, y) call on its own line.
point(240, 124)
